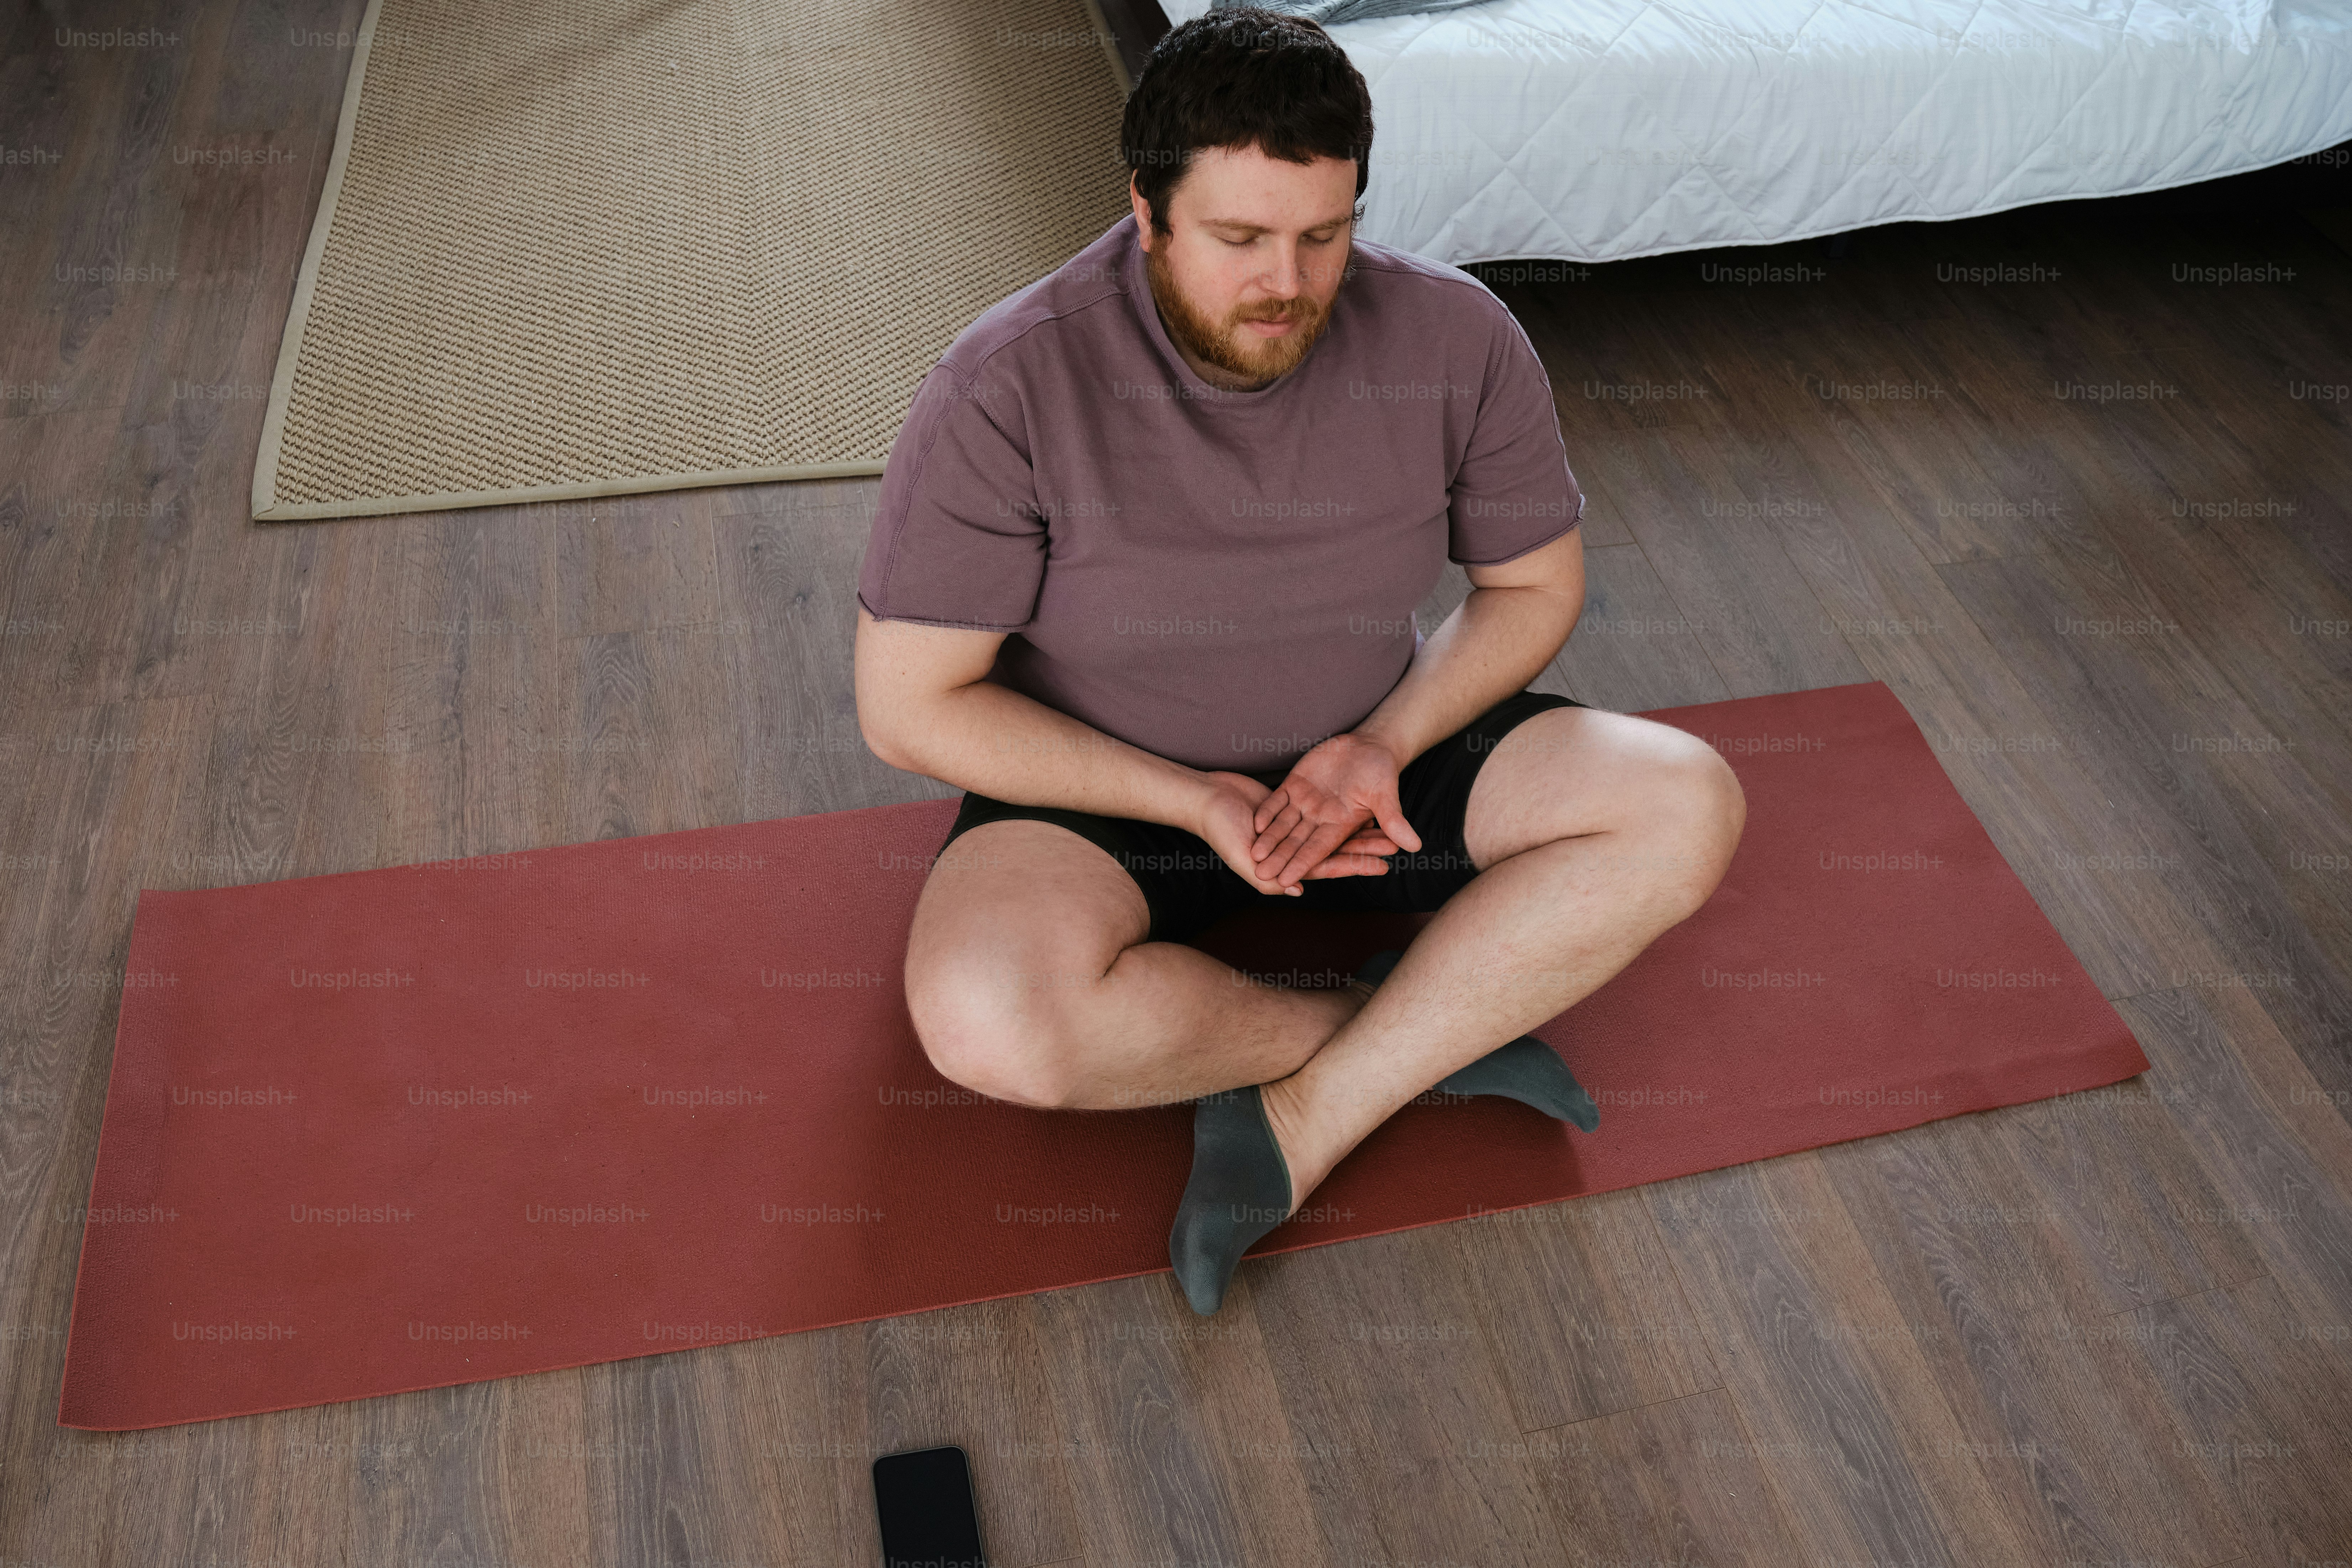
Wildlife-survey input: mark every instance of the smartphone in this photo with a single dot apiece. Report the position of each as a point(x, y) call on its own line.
point(929, 1517)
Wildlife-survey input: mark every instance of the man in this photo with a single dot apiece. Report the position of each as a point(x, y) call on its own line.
point(1142, 582)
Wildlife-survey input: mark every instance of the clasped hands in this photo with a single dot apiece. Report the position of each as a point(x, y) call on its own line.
point(1336, 815)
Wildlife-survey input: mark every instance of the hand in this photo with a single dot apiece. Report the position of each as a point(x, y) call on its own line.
point(1316, 817)
point(1227, 819)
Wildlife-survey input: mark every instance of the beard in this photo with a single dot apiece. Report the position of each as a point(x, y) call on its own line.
point(1223, 344)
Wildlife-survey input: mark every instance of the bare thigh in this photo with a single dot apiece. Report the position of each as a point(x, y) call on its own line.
point(1012, 914)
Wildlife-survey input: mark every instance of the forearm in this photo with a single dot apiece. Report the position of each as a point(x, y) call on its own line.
point(995, 741)
point(1492, 646)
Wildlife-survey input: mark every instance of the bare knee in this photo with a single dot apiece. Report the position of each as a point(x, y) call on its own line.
point(1693, 814)
point(995, 1024)
point(1009, 942)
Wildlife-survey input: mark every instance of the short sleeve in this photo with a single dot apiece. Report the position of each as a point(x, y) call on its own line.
point(957, 538)
point(1513, 490)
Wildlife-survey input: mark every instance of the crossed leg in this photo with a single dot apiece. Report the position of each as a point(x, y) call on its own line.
point(1029, 979)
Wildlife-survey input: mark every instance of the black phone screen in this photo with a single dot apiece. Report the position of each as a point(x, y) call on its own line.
point(924, 1501)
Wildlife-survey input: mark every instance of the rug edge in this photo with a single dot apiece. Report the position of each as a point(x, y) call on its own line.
point(1109, 35)
point(306, 278)
point(270, 511)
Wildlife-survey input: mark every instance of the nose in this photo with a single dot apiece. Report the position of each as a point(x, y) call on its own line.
point(1283, 279)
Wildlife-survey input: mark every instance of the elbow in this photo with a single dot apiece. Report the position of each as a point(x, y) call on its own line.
point(1573, 597)
point(879, 718)
point(883, 743)
point(1568, 608)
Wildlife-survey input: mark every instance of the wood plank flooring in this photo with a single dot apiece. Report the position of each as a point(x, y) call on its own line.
point(2114, 1328)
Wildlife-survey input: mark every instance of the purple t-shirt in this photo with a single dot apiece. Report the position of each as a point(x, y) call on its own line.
point(1225, 579)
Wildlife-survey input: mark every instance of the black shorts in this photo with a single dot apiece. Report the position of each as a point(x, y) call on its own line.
point(1189, 887)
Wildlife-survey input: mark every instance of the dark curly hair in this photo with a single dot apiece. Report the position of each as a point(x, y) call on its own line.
point(1237, 77)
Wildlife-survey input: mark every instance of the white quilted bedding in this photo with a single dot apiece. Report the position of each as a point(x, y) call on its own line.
point(1597, 130)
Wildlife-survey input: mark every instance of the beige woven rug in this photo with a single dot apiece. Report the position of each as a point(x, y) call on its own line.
point(578, 247)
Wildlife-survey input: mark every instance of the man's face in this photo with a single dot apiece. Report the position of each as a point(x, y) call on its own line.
point(1246, 280)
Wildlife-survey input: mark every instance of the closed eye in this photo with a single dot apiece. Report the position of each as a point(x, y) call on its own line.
point(1311, 239)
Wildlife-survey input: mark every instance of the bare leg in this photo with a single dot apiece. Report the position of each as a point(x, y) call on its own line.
point(1029, 979)
point(1655, 817)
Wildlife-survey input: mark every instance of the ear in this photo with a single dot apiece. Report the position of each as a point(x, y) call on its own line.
point(1142, 211)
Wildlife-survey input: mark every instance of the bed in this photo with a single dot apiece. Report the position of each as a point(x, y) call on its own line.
point(1601, 130)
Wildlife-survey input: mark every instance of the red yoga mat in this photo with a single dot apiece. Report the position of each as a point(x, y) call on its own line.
point(409, 1128)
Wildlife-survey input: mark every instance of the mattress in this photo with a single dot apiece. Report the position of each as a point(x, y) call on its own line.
point(1601, 130)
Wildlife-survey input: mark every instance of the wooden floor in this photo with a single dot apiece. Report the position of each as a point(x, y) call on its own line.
point(2110, 1329)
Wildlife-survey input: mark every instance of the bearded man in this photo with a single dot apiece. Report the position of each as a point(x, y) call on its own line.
point(1142, 582)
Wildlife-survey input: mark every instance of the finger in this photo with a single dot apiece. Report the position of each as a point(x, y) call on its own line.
point(1356, 837)
point(1287, 823)
point(1257, 877)
point(1275, 889)
point(1282, 828)
point(1316, 850)
point(1277, 863)
point(1390, 814)
point(1369, 842)
point(1269, 808)
point(1285, 833)
point(1345, 865)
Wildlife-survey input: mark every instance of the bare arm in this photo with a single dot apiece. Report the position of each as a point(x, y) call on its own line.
point(1516, 619)
point(923, 705)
